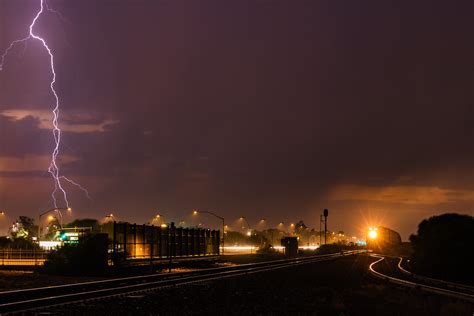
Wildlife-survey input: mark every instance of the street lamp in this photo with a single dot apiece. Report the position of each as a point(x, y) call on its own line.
point(243, 218)
point(196, 212)
point(56, 209)
point(2, 213)
point(157, 217)
point(109, 216)
point(249, 233)
point(280, 226)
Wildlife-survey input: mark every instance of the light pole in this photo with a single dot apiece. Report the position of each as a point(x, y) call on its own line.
point(249, 233)
point(58, 210)
point(280, 226)
point(157, 217)
point(262, 223)
point(243, 218)
point(292, 227)
point(195, 212)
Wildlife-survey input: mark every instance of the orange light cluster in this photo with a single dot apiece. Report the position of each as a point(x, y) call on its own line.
point(372, 232)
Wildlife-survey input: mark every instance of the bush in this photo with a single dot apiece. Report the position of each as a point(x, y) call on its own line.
point(89, 257)
point(443, 248)
point(266, 249)
point(329, 248)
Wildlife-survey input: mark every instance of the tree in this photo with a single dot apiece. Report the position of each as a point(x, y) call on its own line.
point(85, 222)
point(300, 226)
point(5, 242)
point(443, 248)
point(89, 257)
point(24, 227)
point(235, 238)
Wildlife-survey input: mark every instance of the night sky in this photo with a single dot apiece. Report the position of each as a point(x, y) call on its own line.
point(267, 109)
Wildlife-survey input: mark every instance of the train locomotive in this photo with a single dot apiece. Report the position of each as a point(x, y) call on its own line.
point(382, 238)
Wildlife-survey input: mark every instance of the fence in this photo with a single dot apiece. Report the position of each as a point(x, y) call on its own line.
point(22, 257)
point(132, 241)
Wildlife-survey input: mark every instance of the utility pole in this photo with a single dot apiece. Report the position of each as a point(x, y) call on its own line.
point(325, 213)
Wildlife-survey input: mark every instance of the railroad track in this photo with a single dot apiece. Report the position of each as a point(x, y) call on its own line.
point(454, 290)
point(38, 298)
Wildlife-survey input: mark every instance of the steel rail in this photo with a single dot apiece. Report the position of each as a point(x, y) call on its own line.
point(452, 285)
point(146, 284)
point(142, 278)
point(424, 287)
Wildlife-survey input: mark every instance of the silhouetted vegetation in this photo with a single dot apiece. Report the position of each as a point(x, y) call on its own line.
point(23, 228)
point(235, 238)
point(89, 257)
point(329, 248)
point(443, 248)
point(266, 249)
point(85, 223)
point(17, 243)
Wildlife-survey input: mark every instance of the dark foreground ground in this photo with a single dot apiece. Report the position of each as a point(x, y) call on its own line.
point(340, 287)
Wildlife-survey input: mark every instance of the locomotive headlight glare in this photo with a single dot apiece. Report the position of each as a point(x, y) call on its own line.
point(372, 234)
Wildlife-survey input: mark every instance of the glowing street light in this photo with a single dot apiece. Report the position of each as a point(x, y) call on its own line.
point(157, 217)
point(196, 212)
point(292, 226)
point(243, 218)
point(249, 232)
point(2, 213)
point(57, 210)
point(262, 223)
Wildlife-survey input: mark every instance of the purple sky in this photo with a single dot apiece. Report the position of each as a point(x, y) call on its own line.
point(267, 109)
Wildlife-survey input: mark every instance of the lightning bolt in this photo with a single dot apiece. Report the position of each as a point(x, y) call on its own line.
point(53, 168)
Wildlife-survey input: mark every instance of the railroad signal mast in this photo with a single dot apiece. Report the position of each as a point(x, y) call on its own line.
point(325, 214)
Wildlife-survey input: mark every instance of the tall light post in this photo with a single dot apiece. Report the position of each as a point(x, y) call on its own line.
point(280, 226)
point(56, 209)
point(249, 233)
point(292, 227)
point(157, 217)
point(243, 218)
point(262, 223)
point(196, 212)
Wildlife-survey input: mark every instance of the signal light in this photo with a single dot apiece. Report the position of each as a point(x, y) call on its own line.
point(62, 236)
